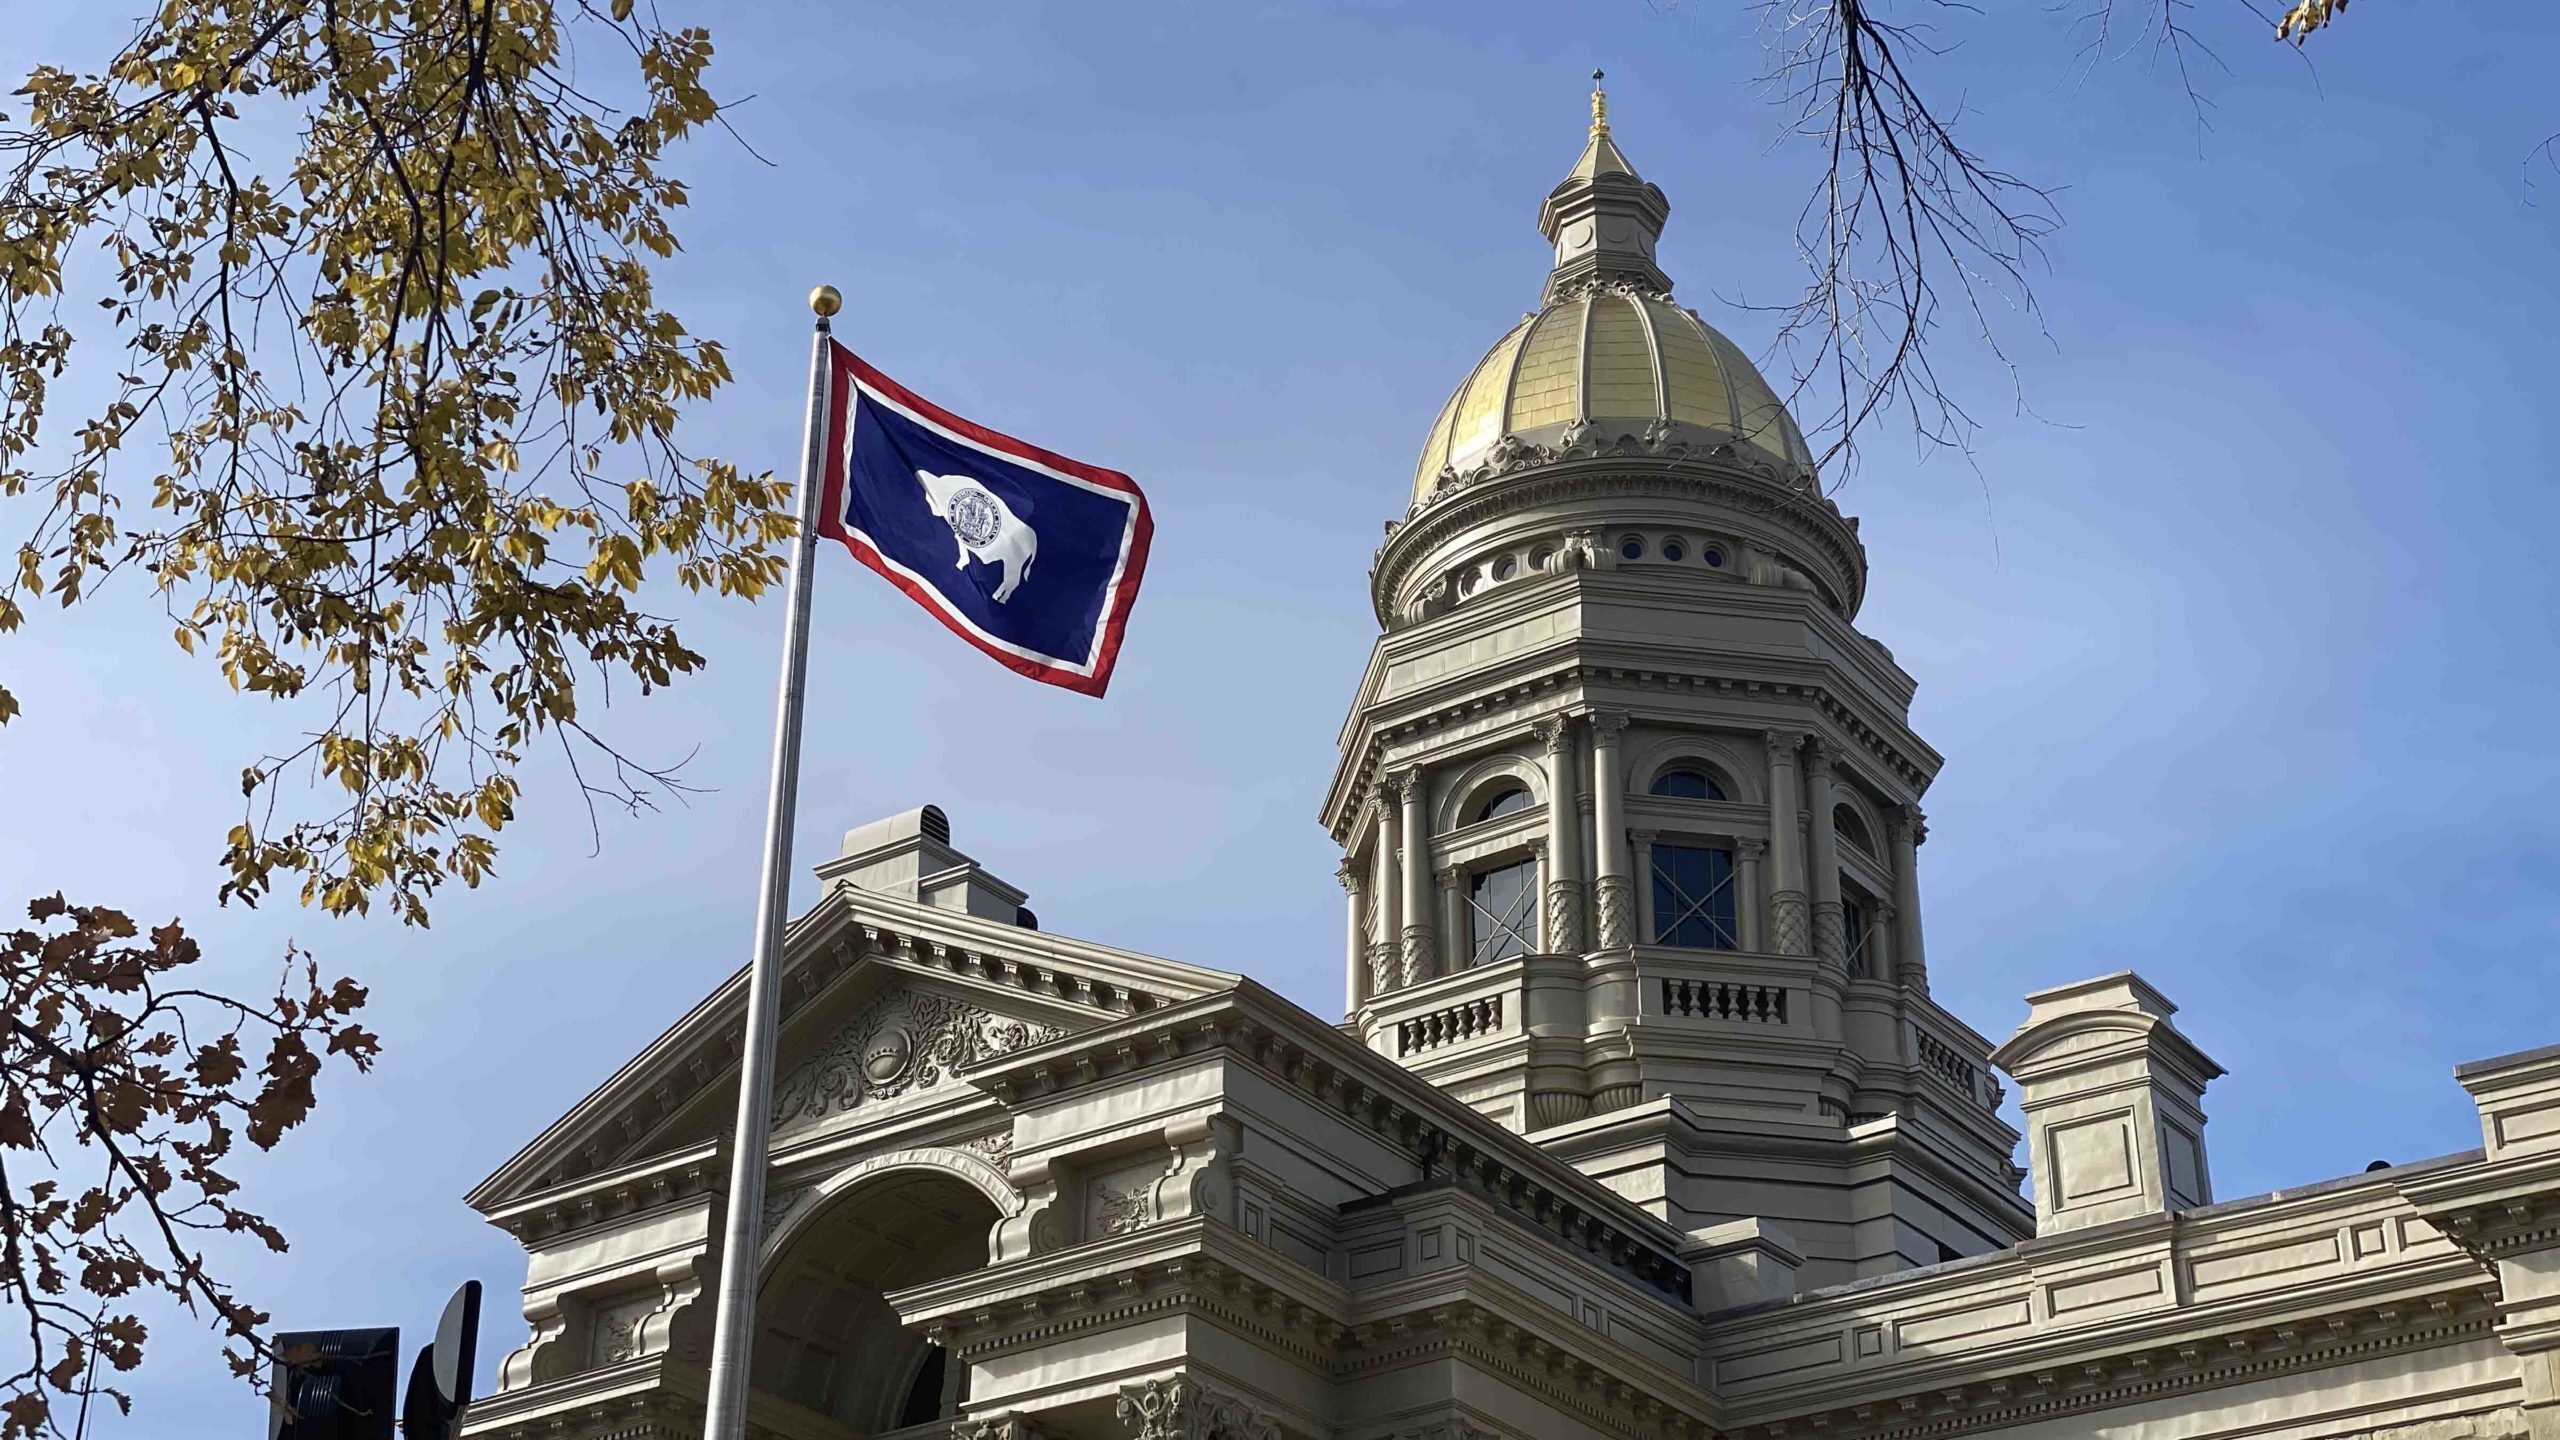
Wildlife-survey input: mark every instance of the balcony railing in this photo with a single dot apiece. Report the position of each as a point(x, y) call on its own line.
point(1466, 1020)
point(1724, 1000)
point(1948, 1064)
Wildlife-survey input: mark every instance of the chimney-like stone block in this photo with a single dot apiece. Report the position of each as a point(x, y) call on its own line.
point(1741, 1262)
point(2519, 1100)
point(2114, 1097)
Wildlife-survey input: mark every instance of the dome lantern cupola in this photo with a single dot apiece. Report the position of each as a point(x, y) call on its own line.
point(1604, 218)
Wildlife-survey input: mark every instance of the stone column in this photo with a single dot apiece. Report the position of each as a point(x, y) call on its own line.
point(1457, 936)
point(1790, 924)
point(1542, 856)
point(1879, 956)
point(1420, 963)
point(1648, 924)
point(1563, 871)
point(1749, 900)
point(1830, 933)
point(1355, 972)
point(1616, 903)
point(1386, 908)
point(1907, 827)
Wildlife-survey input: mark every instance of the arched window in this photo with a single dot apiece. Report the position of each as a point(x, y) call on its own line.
point(1509, 802)
point(1846, 824)
point(1688, 783)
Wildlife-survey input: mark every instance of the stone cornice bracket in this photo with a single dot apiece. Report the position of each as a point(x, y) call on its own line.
point(1181, 1408)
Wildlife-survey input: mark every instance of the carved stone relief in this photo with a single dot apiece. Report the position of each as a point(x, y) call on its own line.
point(906, 1040)
point(617, 1330)
point(1182, 1408)
point(778, 1206)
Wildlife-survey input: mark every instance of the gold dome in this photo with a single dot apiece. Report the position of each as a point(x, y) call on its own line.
point(1617, 361)
point(1609, 355)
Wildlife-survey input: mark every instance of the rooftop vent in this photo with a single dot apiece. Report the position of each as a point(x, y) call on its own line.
point(936, 825)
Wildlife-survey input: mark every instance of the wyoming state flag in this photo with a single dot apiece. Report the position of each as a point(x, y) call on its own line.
point(1026, 554)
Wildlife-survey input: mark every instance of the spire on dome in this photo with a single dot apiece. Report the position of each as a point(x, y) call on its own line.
point(1604, 218)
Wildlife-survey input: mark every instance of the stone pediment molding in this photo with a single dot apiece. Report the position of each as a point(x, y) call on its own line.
point(1444, 1135)
point(1047, 984)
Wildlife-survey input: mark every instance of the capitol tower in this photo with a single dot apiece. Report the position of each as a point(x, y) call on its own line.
point(1630, 809)
point(1639, 1122)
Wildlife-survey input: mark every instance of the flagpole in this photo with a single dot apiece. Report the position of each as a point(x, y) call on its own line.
point(733, 1328)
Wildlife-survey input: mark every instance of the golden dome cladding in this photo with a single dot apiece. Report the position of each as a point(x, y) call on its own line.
point(1619, 360)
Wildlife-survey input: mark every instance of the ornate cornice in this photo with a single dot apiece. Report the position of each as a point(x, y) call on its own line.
point(1465, 1328)
point(2050, 1392)
point(1606, 726)
point(1442, 1135)
point(1194, 1283)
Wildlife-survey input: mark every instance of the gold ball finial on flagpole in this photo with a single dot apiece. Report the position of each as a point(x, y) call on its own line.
point(1599, 105)
point(825, 301)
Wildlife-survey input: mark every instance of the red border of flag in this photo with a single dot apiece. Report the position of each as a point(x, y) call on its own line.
point(845, 371)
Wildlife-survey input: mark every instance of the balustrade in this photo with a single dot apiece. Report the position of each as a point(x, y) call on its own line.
point(1724, 1000)
point(1466, 1020)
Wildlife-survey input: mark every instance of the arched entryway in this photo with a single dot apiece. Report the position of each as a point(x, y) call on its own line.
point(825, 1339)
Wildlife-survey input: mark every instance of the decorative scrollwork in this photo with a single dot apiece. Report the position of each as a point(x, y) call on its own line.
point(907, 1040)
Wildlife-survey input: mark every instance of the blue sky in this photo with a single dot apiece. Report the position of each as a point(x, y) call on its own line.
point(2240, 647)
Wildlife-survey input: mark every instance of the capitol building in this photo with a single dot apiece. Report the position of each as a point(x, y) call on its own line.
point(1639, 1119)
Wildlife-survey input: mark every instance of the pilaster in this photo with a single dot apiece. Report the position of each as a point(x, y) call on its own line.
point(1751, 896)
point(1387, 909)
point(1563, 870)
point(1615, 889)
point(1906, 828)
point(1420, 960)
point(1830, 932)
point(1790, 917)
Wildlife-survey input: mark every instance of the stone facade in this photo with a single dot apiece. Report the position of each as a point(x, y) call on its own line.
point(1640, 1120)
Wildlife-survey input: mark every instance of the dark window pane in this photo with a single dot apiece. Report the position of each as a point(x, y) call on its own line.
point(1502, 913)
point(1503, 804)
point(1693, 897)
point(1687, 785)
point(1853, 934)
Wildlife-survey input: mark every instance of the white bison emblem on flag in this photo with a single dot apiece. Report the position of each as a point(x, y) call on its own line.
point(985, 527)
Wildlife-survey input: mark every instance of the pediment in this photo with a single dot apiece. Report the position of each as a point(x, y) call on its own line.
point(886, 1005)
